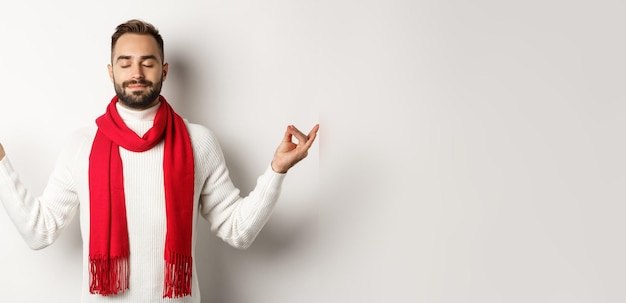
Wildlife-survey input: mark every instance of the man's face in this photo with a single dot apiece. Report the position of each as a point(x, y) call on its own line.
point(137, 70)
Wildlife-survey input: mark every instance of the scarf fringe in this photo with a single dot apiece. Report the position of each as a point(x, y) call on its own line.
point(108, 276)
point(177, 275)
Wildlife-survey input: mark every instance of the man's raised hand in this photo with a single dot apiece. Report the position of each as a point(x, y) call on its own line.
point(289, 153)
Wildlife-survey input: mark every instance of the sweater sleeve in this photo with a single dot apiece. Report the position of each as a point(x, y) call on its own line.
point(39, 219)
point(235, 219)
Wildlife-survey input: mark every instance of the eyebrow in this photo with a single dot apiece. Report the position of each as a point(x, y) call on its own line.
point(143, 58)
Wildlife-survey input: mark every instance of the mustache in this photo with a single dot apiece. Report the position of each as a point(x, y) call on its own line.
point(133, 82)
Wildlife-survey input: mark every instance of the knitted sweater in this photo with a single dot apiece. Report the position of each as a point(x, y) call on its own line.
point(235, 219)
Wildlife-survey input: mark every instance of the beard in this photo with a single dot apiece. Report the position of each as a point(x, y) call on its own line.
point(138, 99)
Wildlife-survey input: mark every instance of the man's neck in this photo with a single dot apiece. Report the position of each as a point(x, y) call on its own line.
point(137, 114)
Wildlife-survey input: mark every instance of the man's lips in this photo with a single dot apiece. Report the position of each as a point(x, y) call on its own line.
point(137, 84)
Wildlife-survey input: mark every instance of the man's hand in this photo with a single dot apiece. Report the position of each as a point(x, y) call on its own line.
point(1, 152)
point(289, 153)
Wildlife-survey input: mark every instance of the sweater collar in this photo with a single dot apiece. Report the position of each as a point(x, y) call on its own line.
point(147, 114)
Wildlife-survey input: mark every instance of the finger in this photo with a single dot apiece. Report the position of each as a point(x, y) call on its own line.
point(314, 130)
point(287, 136)
point(312, 135)
point(302, 138)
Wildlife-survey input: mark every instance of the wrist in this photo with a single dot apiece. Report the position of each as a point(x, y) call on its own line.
point(277, 169)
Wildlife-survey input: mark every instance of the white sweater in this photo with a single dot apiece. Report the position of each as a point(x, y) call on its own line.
point(235, 219)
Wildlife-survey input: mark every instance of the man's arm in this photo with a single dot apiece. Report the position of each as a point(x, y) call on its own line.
point(235, 219)
point(38, 219)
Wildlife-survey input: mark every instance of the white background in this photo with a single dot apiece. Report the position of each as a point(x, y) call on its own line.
point(469, 151)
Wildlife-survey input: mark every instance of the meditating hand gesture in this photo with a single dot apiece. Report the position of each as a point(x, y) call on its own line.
point(289, 153)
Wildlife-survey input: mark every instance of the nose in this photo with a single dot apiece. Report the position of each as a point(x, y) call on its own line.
point(137, 72)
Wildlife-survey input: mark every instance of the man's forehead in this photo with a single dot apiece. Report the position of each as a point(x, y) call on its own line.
point(131, 44)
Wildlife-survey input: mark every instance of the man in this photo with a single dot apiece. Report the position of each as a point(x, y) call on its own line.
point(139, 178)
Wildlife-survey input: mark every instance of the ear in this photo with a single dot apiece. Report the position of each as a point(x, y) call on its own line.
point(110, 68)
point(165, 69)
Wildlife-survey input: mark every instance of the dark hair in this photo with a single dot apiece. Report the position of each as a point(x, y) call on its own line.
point(137, 26)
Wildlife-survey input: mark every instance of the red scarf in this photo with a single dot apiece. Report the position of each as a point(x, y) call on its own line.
point(108, 239)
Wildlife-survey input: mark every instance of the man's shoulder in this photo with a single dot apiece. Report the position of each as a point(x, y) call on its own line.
point(82, 134)
point(198, 130)
point(77, 145)
point(201, 135)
